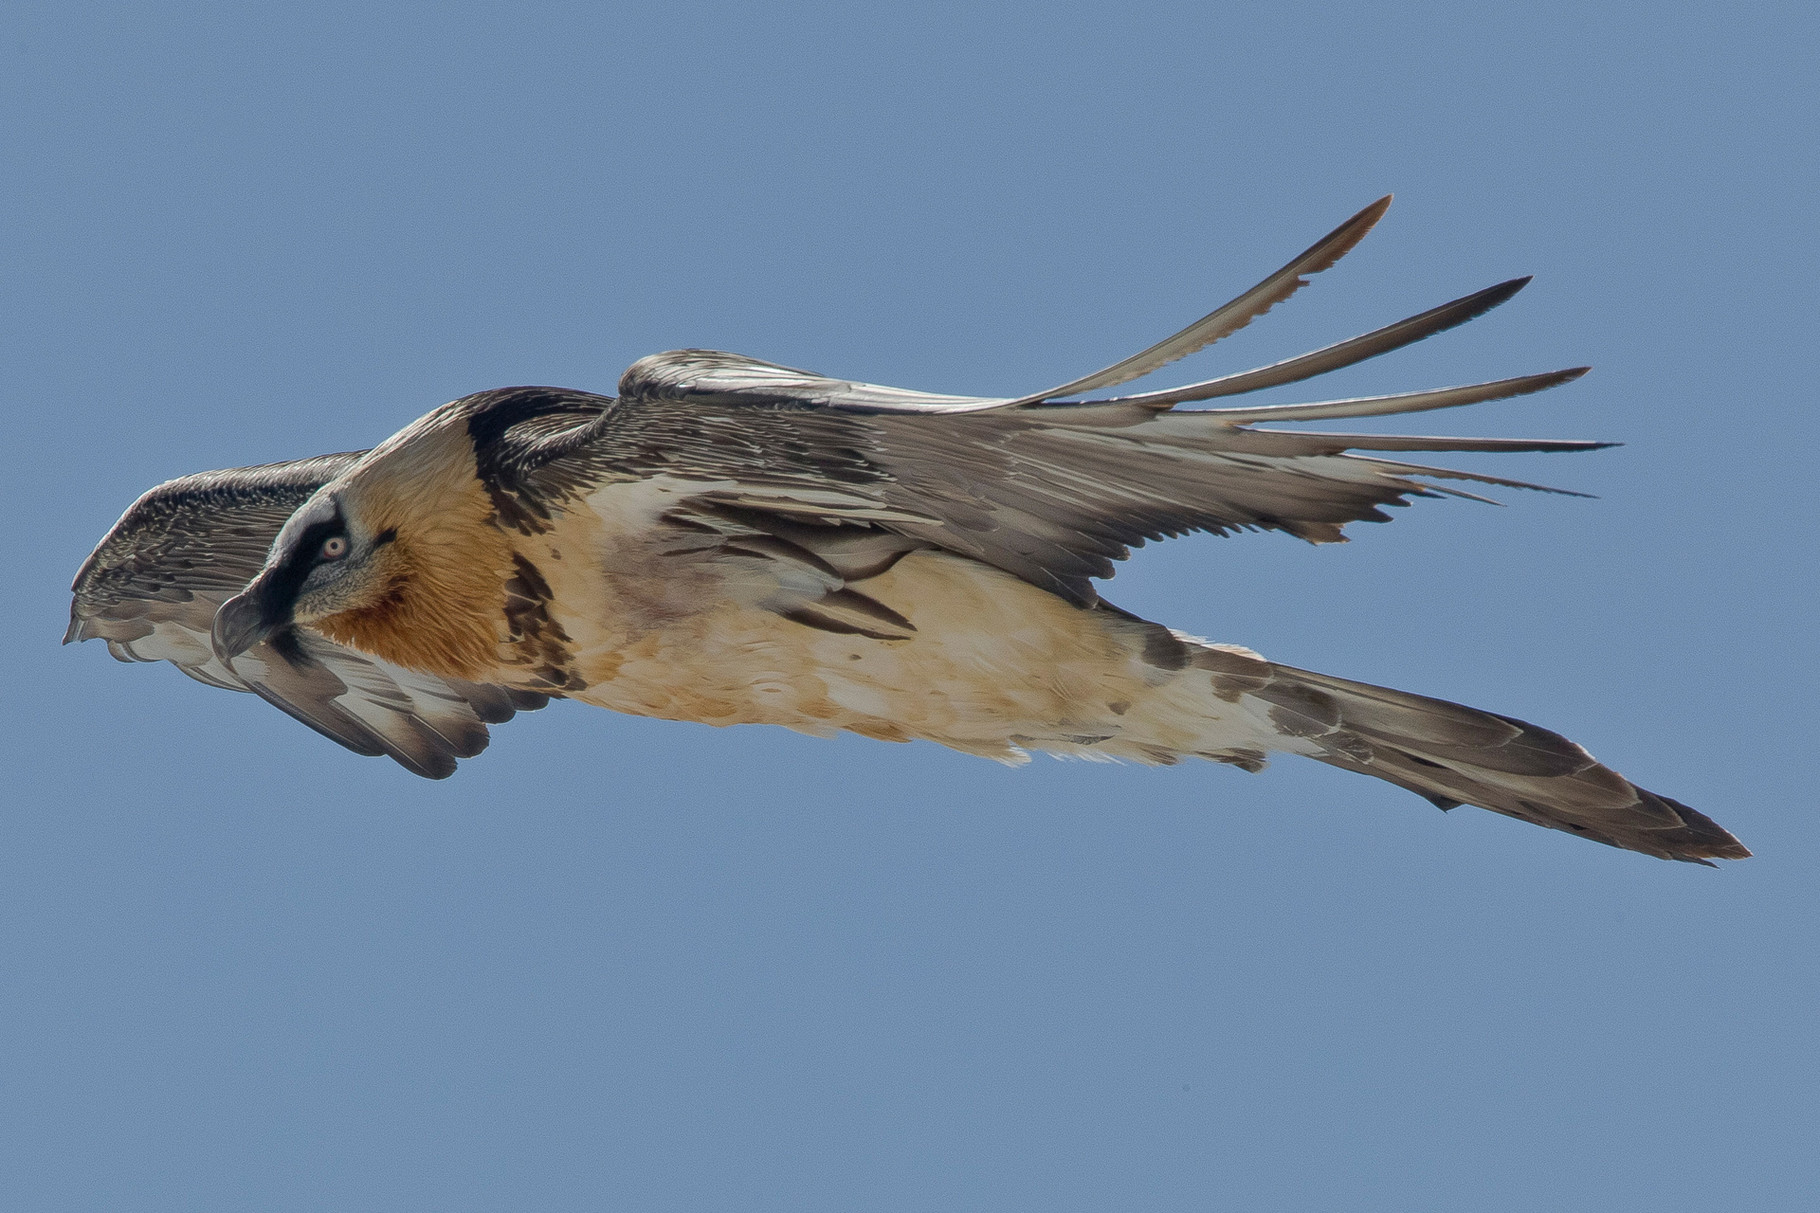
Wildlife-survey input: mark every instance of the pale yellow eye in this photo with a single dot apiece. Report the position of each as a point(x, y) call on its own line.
point(334, 547)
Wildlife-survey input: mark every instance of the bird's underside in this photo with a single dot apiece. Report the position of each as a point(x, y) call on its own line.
point(731, 541)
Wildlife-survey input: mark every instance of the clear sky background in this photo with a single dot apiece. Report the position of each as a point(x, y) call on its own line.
point(626, 964)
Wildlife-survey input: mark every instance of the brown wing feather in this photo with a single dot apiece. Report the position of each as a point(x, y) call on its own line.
point(1054, 493)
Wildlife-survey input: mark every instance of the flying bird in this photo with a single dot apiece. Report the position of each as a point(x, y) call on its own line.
point(736, 542)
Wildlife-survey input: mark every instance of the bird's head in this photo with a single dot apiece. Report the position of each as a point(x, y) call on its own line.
point(397, 557)
point(327, 560)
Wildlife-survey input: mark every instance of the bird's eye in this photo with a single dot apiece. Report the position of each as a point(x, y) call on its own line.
point(334, 547)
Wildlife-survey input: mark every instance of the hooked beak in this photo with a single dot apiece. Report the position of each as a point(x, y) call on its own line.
point(242, 622)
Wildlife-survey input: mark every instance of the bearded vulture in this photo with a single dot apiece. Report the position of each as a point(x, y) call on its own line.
point(736, 542)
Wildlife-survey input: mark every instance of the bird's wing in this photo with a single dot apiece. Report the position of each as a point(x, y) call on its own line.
point(1229, 317)
point(1052, 492)
point(712, 377)
point(153, 585)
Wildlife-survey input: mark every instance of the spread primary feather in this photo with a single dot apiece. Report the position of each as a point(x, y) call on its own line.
point(736, 542)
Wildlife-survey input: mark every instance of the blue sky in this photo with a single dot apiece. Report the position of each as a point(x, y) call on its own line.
point(618, 963)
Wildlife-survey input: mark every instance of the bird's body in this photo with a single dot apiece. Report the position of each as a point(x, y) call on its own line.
point(993, 667)
point(733, 542)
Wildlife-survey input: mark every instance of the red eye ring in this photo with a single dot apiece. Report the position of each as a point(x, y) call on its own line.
point(334, 547)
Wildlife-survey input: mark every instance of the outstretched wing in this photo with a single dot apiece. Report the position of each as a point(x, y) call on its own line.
point(711, 377)
point(153, 585)
point(1052, 492)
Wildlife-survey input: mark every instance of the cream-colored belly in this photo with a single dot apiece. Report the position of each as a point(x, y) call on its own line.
point(995, 664)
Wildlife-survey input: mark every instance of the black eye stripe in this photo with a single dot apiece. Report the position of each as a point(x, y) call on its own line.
point(313, 537)
point(283, 582)
point(310, 542)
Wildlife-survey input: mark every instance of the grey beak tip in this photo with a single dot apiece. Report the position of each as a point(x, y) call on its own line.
point(238, 627)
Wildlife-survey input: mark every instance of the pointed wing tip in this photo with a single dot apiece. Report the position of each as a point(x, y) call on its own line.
point(1343, 239)
point(1228, 318)
point(1368, 216)
point(1471, 307)
point(1528, 384)
point(1548, 379)
point(1494, 295)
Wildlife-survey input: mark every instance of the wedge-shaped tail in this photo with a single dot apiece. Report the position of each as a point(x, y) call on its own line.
point(1453, 755)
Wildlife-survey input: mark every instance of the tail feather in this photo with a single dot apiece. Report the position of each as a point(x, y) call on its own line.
point(1452, 755)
